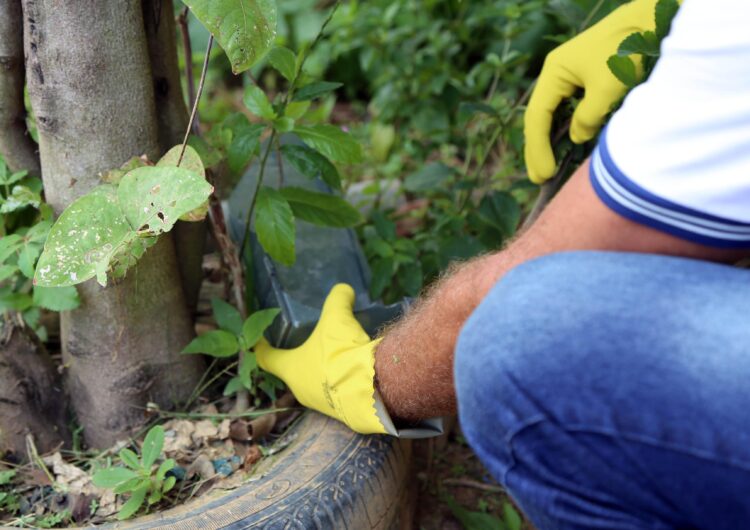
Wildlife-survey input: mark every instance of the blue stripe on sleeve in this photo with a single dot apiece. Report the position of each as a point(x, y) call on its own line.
point(637, 204)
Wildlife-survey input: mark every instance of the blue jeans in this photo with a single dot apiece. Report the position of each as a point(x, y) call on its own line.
point(612, 390)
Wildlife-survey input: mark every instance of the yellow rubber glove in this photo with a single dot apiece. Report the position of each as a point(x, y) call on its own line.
point(333, 372)
point(580, 63)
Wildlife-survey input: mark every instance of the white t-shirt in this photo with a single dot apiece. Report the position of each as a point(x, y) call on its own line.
point(676, 156)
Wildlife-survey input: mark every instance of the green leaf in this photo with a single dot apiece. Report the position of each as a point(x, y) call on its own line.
point(134, 503)
point(217, 343)
point(111, 477)
point(83, 240)
point(665, 13)
point(154, 198)
point(474, 520)
point(165, 466)
point(512, 519)
point(623, 68)
point(257, 103)
point(20, 198)
point(248, 365)
point(382, 276)
point(8, 245)
point(410, 278)
point(227, 316)
point(130, 485)
point(245, 29)
point(284, 124)
point(284, 60)
point(640, 43)
point(191, 160)
point(296, 109)
point(430, 178)
point(321, 209)
point(245, 145)
point(312, 164)
point(274, 225)
point(384, 226)
point(56, 298)
point(315, 90)
point(256, 324)
point(15, 301)
point(501, 211)
point(129, 458)
point(152, 446)
point(6, 477)
point(154, 497)
point(233, 386)
point(169, 484)
point(27, 258)
point(332, 142)
point(6, 271)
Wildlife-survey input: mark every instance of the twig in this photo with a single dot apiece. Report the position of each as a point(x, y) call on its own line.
point(591, 16)
point(469, 483)
point(187, 48)
point(261, 174)
point(222, 416)
point(197, 98)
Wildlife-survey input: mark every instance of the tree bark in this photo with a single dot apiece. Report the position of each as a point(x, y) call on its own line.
point(89, 78)
point(16, 145)
point(31, 397)
point(172, 117)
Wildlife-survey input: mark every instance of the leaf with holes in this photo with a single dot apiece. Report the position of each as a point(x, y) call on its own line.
point(191, 161)
point(332, 142)
point(245, 29)
point(274, 225)
point(84, 239)
point(154, 198)
point(321, 209)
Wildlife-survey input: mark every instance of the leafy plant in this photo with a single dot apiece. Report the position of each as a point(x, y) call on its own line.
point(235, 337)
point(107, 230)
point(25, 223)
point(139, 478)
point(484, 521)
point(646, 45)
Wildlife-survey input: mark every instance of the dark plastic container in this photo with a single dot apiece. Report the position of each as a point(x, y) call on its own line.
point(325, 257)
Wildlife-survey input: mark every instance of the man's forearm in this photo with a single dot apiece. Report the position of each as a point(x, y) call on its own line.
point(414, 362)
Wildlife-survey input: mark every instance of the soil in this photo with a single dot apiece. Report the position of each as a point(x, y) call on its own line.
point(447, 468)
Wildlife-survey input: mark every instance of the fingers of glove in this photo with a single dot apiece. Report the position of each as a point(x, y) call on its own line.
point(593, 109)
point(552, 87)
point(272, 359)
point(337, 318)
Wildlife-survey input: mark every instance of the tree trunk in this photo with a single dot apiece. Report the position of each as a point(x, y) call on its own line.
point(172, 117)
point(31, 397)
point(16, 146)
point(89, 78)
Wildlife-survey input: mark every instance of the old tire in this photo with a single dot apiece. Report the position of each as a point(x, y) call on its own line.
point(328, 478)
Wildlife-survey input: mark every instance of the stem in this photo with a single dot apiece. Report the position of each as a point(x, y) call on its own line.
point(493, 139)
point(263, 162)
point(187, 48)
point(197, 98)
point(199, 388)
point(279, 163)
point(222, 416)
point(293, 84)
point(591, 15)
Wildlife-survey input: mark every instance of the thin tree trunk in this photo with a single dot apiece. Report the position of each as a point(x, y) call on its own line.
point(31, 397)
point(172, 117)
point(89, 79)
point(16, 146)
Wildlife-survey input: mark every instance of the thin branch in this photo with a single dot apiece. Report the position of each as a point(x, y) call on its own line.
point(469, 483)
point(246, 234)
point(197, 98)
point(591, 15)
point(187, 50)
